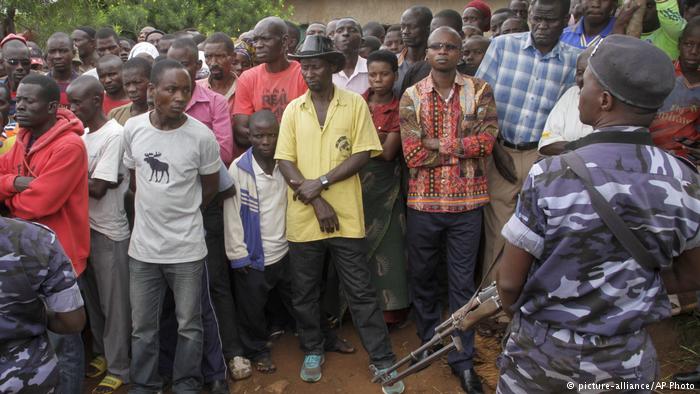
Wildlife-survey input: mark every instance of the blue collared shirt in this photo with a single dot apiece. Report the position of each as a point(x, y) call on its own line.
point(575, 36)
point(526, 84)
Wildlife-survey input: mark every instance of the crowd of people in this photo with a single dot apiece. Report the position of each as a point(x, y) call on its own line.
point(194, 197)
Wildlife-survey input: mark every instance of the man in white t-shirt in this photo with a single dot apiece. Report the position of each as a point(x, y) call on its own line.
point(174, 162)
point(106, 279)
point(563, 124)
point(255, 236)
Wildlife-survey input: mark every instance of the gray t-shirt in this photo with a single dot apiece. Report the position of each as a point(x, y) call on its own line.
point(105, 156)
point(168, 226)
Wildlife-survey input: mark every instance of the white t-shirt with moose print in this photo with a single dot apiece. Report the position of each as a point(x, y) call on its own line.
point(168, 225)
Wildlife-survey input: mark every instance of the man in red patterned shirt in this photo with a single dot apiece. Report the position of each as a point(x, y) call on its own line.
point(448, 128)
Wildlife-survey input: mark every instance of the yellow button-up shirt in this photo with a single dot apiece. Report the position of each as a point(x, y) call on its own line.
point(316, 150)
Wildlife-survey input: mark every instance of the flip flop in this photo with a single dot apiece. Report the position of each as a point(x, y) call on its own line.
point(97, 367)
point(265, 365)
point(108, 385)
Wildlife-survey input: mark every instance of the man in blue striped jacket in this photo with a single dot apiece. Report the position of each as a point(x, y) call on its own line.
point(256, 242)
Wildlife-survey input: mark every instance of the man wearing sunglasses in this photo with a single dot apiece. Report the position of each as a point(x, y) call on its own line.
point(17, 65)
point(448, 129)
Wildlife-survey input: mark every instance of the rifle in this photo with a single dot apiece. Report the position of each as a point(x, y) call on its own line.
point(484, 304)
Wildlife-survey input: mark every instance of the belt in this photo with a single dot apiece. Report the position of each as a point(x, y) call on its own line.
point(523, 146)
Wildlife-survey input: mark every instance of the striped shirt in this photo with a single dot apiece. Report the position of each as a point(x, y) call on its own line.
point(526, 84)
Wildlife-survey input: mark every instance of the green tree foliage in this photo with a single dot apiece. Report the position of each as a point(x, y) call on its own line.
point(43, 17)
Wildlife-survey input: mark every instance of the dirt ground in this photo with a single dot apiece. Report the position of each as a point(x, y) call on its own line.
point(677, 343)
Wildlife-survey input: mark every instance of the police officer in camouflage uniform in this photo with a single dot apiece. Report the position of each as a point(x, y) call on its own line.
point(37, 285)
point(579, 301)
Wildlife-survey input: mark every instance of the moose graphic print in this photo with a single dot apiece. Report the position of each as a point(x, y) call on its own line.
point(159, 169)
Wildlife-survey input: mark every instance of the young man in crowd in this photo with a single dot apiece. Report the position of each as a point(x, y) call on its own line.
point(174, 162)
point(205, 105)
point(473, 52)
point(563, 124)
point(528, 73)
point(106, 43)
point(455, 153)
point(477, 13)
point(514, 25)
point(272, 84)
point(374, 29)
point(44, 178)
point(678, 119)
point(330, 28)
point(16, 63)
point(135, 75)
point(211, 109)
point(315, 28)
point(333, 221)
point(369, 44)
point(691, 9)
point(256, 243)
point(499, 16)
point(109, 72)
point(580, 296)
point(38, 292)
point(597, 22)
point(415, 29)
point(84, 39)
point(421, 69)
point(347, 40)
point(218, 54)
point(520, 8)
point(59, 54)
point(106, 279)
point(392, 39)
point(294, 36)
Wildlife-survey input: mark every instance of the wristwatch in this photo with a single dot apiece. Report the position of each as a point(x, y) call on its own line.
point(324, 182)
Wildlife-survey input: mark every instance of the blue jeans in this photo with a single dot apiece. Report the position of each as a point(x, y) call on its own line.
point(71, 361)
point(148, 287)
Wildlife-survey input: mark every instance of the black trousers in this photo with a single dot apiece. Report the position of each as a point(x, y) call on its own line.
point(219, 281)
point(252, 290)
point(350, 259)
point(462, 232)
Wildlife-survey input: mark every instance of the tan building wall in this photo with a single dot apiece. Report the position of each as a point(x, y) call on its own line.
point(383, 11)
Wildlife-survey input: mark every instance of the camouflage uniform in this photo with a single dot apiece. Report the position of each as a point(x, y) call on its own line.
point(584, 306)
point(35, 275)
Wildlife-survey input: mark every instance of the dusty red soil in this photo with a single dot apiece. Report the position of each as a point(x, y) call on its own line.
point(350, 374)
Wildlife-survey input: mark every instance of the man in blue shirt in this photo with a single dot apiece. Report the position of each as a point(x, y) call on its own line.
point(597, 22)
point(528, 73)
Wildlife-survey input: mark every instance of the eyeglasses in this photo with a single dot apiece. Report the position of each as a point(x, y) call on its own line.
point(23, 62)
point(440, 45)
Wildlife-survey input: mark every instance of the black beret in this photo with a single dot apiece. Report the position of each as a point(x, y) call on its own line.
point(633, 71)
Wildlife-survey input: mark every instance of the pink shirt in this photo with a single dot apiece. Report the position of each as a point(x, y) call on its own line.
point(212, 109)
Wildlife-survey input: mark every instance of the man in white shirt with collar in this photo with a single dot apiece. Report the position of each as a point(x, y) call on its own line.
point(347, 39)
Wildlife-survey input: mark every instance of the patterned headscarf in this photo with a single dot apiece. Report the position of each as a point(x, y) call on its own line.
point(244, 49)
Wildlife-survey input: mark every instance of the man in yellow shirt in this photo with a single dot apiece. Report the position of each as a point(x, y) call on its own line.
point(326, 136)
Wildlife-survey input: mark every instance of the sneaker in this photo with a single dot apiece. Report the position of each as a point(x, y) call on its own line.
point(240, 368)
point(396, 388)
point(311, 369)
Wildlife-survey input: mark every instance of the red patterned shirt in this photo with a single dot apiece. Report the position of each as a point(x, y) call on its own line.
point(384, 116)
point(453, 178)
